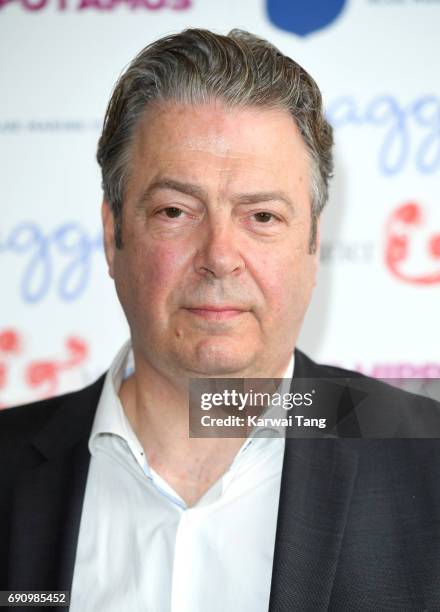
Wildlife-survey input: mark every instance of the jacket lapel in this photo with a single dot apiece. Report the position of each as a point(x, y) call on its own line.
point(48, 498)
point(316, 487)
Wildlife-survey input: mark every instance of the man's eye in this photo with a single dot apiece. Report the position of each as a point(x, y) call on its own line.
point(172, 212)
point(264, 217)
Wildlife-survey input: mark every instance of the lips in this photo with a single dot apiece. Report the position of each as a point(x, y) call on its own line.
point(216, 313)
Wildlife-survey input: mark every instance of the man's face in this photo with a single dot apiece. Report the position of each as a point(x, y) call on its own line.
point(215, 273)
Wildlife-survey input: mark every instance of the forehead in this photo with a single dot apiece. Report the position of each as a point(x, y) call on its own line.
point(217, 130)
point(222, 150)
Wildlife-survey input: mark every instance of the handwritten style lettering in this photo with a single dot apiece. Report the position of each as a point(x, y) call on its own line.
point(69, 245)
point(410, 133)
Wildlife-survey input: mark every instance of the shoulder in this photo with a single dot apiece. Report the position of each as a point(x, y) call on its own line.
point(311, 369)
point(404, 409)
point(19, 424)
point(306, 367)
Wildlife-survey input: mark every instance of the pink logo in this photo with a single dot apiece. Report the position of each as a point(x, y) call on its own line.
point(412, 249)
point(99, 5)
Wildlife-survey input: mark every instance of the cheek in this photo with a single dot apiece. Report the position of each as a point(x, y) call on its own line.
point(163, 266)
point(156, 273)
point(274, 279)
point(286, 284)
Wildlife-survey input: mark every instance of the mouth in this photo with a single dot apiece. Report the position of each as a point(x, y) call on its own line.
point(216, 313)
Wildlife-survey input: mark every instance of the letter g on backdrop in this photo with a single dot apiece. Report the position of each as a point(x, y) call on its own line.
point(303, 16)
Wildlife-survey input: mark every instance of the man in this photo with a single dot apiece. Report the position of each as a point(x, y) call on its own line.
point(215, 157)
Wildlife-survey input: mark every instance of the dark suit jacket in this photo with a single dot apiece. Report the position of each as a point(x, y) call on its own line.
point(358, 524)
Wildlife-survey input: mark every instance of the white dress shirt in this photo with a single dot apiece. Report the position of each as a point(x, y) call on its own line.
point(140, 548)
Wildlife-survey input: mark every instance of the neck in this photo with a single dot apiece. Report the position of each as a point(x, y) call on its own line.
point(158, 411)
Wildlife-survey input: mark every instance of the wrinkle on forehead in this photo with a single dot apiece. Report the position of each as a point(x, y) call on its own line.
point(216, 123)
point(221, 146)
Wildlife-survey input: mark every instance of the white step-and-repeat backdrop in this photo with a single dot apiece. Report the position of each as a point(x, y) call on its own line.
point(377, 304)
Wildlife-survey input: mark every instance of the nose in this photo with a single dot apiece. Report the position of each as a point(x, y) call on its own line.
point(219, 253)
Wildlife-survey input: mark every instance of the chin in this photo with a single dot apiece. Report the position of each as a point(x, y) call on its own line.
point(213, 358)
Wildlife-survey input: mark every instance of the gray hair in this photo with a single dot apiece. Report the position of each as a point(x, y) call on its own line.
point(197, 66)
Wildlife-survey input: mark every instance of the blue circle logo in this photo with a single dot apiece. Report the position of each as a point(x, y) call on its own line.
point(303, 16)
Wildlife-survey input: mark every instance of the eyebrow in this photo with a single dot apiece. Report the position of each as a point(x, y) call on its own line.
point(198, 192)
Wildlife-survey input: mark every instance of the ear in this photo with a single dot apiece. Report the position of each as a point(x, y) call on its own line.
point(108, 226)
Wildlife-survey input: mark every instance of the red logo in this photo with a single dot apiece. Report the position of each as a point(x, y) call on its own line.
point(412, 249)
point(41, 376)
